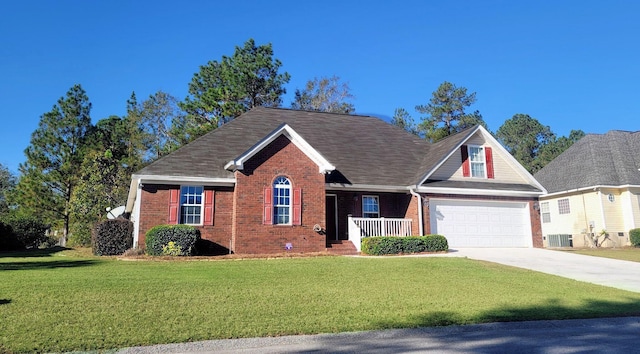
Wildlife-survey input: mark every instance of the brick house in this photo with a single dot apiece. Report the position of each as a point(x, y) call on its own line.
point(276, 179)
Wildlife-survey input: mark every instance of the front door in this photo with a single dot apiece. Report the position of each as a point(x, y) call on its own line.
point(331, 224)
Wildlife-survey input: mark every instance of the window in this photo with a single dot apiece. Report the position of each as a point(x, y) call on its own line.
point(563, 206)
point(478, 161)
point(544, 211)
point(370, 206)
point(191, 205)
point(611, 198)
point(282, 201)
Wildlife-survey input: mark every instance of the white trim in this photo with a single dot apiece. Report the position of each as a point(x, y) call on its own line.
point(470, 191)
point(492, 142)
point(594, 188)
point(205, 181)
point(484, 161)
point(324, 165)
point(136, 212)
point(201, 205)
point(420, 216)
point(366, 187)
point(377, 198)
point(604, 221)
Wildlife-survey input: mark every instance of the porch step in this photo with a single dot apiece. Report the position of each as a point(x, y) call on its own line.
point(341, 247)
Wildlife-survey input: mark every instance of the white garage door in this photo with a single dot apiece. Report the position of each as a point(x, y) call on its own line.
point(468, 223)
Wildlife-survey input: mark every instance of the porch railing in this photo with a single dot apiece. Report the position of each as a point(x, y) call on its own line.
point(370, 227)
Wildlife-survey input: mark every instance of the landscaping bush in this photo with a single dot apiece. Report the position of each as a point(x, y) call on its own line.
point(183, 238)
point(8, 240)
point(80, 234)
point(29, 231)
point(396, 245)
point(634, 237)
point(112, 237)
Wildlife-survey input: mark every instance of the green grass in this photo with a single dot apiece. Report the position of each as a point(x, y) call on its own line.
point(64, 301)
point(624, 253)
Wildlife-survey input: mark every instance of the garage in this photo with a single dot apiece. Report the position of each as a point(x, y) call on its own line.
point(472, 223)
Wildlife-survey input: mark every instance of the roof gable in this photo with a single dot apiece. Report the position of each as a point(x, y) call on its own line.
point(284, 129)
point(451, 150)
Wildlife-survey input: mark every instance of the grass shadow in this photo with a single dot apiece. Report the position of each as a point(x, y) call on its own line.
point(46, 264)
point(4, 301)
point(35, 253)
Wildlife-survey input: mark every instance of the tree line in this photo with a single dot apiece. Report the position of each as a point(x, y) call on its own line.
point(74, 169)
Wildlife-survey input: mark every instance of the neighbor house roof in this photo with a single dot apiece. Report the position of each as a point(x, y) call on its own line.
point(610, 159)
point(364, 150)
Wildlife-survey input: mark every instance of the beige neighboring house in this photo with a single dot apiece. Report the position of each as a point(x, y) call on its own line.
point(593, 190)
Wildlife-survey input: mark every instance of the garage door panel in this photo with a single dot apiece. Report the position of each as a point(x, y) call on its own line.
point(472, 223)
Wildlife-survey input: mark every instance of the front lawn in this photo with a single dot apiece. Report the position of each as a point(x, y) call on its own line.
point(624, 253)
point(64, 301)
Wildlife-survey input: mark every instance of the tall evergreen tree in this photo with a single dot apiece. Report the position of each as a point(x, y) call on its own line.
point(7, 184)
point(222, 90)
point(524, 137)
point(326, 94)
point(445, 112)
point(51, 172)
point(402, 119)
point(158, 113)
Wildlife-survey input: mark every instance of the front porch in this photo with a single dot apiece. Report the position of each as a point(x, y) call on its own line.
point(372, 227)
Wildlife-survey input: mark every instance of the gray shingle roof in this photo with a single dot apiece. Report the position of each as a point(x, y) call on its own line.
point(597, 159)
point(364, 150)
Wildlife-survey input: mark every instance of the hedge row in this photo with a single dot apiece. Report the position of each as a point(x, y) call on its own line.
point(183, 240)
point(22, 232)
point(112, 237)
point(412, 244)
point(634, 237)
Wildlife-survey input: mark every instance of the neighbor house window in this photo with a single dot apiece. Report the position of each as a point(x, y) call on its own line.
point(544, 211)
point(282, 201)
point(478, 161)
point(370, 206)
point(191, 205)
point(563, 206)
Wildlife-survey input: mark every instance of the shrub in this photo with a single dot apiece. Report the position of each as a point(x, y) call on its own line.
point(634, 237)
point(8, 240)
point(183, 236)
point(80, 234)
point(397, 245)
point(29, 231)
point(112, 237)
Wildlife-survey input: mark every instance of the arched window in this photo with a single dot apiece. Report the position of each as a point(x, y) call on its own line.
point(282, 203)
point(282, 200)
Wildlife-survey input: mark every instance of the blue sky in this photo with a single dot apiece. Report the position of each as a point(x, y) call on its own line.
point(570, 64)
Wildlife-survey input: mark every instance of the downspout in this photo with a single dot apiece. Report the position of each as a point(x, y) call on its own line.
point(420, 223)
point(604, 221)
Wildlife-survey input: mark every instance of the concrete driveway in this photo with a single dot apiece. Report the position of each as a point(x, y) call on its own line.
point(597, 270)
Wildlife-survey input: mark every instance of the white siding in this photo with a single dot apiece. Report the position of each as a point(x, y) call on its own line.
point(503, 170)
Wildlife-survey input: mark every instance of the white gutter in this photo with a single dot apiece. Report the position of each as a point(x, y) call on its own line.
point(469, 191)
point(589, 188)
point(365, 187)
point(420, 223)
point(136, 215)
point(604, 222)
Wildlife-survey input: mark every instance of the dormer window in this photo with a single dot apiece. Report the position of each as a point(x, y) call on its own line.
point(478, 162)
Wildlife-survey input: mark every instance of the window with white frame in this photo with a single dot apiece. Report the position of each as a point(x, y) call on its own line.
point(478, 163)
point(544, 211)
point(282, 201)
point(563, 206)
point(191, 205)
point(370, 206)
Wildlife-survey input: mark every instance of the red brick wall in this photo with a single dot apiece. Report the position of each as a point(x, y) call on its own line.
point(536, 226)
point(280, 158)
point(155, 211)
